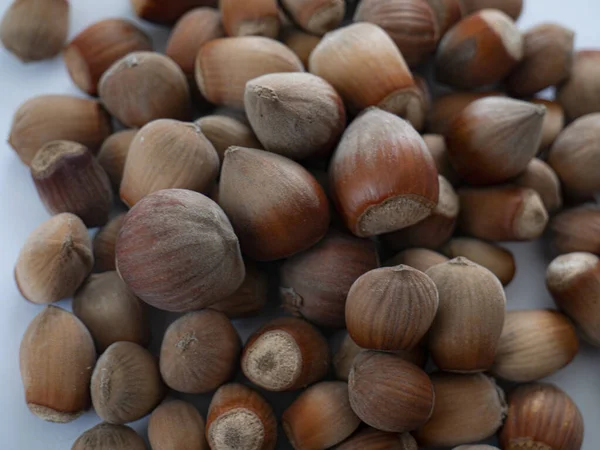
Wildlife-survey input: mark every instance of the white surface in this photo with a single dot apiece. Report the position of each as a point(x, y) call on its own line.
point(21, 212)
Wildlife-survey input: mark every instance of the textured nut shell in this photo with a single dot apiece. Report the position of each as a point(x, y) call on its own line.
point(68, 178)
point(56, 358)
point(239, 417)
point(511, 7)
point(496, 259)
point(110, 311)
point(224, 132)
point(98, 46)
point(104, 244)
point(388, 393)
point(176, 425)
point(382, 176)
point(574, 282)
point(493, 139)
point(285, 354)
point(315, 283)
point(35, 29)
point(540, 415)
point(47, 118)
point(113, 153)
point(297, 115)
point(372, 439)
point(418, 258)
point(224, 66)
point(447, 13)
point(287, 215)
point(199, 352)
point(350, 59)
point(479, 50)
point(534, 344)
point(554, 121)
point(320, 417)
point(192, 31)
point(251, 296)
point(55, 259)
point(468, 408)
point(468, 324)
point(315, 16)
point(504, 213)
point(177, 251)
point(436, 144)
point(547, 59)
point(540, 177)
point(391, 308)
point(167, 154)
point(575, 156)
point(580, 94)
point(412, 25)
point(577, 230)
point(255, 18)
point(145, 86)
point(126, 383)
point(106, 436)
point(167, 11)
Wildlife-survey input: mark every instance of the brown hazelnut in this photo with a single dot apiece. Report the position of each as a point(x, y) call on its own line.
point(315, 283)
point(320, 417)
point(98, 46)
point(126, 384)
point(158, 257)
point(47, 118)
point(199, 352)
point(56, 356)
point(543, 416)
point(55, 259)
point(503, 213)
point(33, 30)
point(382, 176)
point(554, 121)
point(285, 354)
point(176, 425)
point(418, 258)
point(239, 417)
point(479, 50)
point(436, 144)
point(301, 43)
point(511, 7)
point(104, 244)
point(534, 344)
point(540, 177)
point(145, 86)
point(251, 296)
point(110, 311)
point(224, 132)
point(255, 18)
point(69, 179)
point(167, 12)
point(372, 439)
point(113, 153)
point(287, 215)
point(580, 93)
point(224, 66)
point(389, 393)
point(105, 436)
point(468, 324)
point(315, 16)
point(577, 230)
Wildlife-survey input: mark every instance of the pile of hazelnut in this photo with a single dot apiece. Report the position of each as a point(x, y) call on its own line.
point(310, 171)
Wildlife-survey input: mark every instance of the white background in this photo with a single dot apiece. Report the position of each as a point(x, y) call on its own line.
point(21, 212)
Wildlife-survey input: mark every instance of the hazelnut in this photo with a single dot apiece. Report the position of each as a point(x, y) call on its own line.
point(468, 324)
point(105, 436)
point(503, 213)
point(47, 118)
point(418, 258)
point(126, 384)
point(447, 13)
point(239, 417)
point(554, 121)
point(577, 230)
point(158, 257)
point(98, 46)
point(113, 153)
point(110, 311)
point(540, 177)
point(320, 417)
point(315, 16)
point(56, 356)
point(285, 354)
point(315, 283)
point(55, 259)
point(33, 30)
point(574, 282)
point(436, 144)
point(251, 296)
point(167, 12)
point(580, 93)
point(69, 179)
point(534, 344)
point(255, 18)
point(511, 7)
point(389, 393)
point(370, 438)
point(543, 416)
point(104, 244)
point(301, 43)
point(297, 115)
point(224, 66)
point(391, 308)
point(176, 425)
point(225, 131)
point(382, 176)
point(145, 86)
point(287, 215)
point(199, 352)
point(479, 50)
